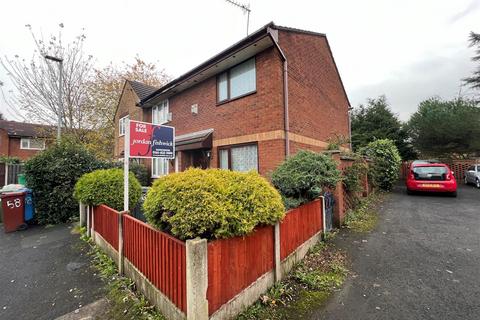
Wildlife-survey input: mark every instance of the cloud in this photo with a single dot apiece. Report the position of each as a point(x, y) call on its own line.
point(405, 89)
point(474, 5)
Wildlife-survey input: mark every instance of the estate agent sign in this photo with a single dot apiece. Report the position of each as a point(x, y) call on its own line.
point(146, 140)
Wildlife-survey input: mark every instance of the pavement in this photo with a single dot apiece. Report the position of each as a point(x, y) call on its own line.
point(421, 262)
point(45, 273)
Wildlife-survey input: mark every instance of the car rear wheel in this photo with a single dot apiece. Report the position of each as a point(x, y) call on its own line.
point(453, 194)
point(409, 192)
point(477, 183)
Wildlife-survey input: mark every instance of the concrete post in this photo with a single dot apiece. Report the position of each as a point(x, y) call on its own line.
point(197, 279)
point(89, 223)
point(276, 244)
point(83, 216)
point(93, 222)
point(120, 244)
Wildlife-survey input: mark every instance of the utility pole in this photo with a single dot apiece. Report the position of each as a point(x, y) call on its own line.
point(245, 8)
point(60, 102)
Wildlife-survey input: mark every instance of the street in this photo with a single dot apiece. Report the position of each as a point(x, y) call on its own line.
point(421, 262)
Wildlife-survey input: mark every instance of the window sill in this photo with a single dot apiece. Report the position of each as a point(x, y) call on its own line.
point(236, 98)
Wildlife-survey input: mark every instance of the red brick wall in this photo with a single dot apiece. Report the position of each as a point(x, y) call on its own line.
point(318, 107)
point(15, 151)
point(4, 141)
point(258, 112)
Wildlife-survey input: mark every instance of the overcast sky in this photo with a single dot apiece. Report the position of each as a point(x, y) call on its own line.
point(408, 50)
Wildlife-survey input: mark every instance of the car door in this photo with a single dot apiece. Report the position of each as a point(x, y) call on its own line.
point(470, 173)
point(477, 175)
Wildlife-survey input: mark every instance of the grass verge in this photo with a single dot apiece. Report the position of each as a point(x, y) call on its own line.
point(306, 287)
point(125, 302)
point(364, 217)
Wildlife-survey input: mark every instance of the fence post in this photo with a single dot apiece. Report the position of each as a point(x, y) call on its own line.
point(120, 243)
point(276, 243)
point(324, 223)
point(81, 209)
point(197, 279)
point(89, 223)
point(92, 222)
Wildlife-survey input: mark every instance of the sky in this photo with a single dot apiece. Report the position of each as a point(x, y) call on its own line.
point(407, 50)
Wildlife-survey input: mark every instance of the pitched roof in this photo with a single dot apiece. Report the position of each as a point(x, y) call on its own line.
point(142, 90)
point(23, 129)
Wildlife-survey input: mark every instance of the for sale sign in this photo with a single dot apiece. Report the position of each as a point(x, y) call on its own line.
point(151, 141)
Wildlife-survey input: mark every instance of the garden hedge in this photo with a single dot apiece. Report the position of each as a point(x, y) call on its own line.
point(302, 178)
point(105, 186)
point(52, 175)
point(384, 170)
point(212, 203)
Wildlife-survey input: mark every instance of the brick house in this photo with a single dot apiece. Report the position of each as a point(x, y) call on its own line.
point(21, 140)
point(271, 94)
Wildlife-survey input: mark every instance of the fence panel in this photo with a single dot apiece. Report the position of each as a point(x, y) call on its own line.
point(299, 225)
point(160, 257)
point(235, 263)
point(106, 224)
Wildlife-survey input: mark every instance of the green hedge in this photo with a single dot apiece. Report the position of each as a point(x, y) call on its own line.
point(384, 169)
point(302, 177)
point(212, 203)
point(106, 187)
point(52, 175)
point(353, 176)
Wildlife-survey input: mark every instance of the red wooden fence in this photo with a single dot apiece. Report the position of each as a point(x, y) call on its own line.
point(299, 225)
point(106, 224)
point(160, 257)
point(234, 263)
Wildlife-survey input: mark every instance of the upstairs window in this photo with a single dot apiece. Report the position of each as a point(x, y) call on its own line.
point(32, 144)
point(237, 82)
point(160, 113)
point(122, 124)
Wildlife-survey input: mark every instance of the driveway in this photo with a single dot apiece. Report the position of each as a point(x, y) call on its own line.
point(44, 273)
point(422, 261)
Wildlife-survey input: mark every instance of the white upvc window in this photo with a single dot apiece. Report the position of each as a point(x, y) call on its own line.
point(32, 144)
point(122, 124)
point(159, 167)
point(160, 113)
point(239, 158)
point(239, 81)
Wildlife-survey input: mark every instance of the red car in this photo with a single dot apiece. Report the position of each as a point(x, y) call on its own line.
point(431, 177)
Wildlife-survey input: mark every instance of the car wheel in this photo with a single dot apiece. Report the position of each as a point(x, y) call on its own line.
point(453, 194)
point(477, 183)
point(409, 192)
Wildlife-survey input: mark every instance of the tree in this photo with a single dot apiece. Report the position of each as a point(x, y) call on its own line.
point(36, 81)
point(103, 91)
point(474, 80)
point(446, 128)
point(377, 121)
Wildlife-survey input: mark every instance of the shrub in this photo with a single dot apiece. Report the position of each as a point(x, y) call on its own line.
point(105, 186)
point(353, 175)
point(140, 172)
point(386, 160)
point(212, 203)
point(302, 177)
point(52, 175)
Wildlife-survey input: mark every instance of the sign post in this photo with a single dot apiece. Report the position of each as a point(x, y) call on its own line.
point(145, 140)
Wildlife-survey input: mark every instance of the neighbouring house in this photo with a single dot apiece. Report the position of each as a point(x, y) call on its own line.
point(22, 140)
point(267, 96)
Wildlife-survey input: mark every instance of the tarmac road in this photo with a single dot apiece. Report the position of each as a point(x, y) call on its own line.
point(421, 262)
point(44, 273)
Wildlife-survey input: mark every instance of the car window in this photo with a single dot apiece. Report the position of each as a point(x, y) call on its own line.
point(430, 170)
point(478, 168)
point(472, 168)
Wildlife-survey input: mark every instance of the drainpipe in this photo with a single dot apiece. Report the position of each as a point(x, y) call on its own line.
point(285, 96)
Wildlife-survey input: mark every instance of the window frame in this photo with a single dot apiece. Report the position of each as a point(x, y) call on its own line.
point(156, 176)
point(167, 106)
point(120, 121)
point(227, 72)
point(29, 143)
point(230, 147)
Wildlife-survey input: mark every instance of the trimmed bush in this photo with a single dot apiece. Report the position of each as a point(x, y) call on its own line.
point(302, 177)
point(212, 203)
point(141, 173)
point(105, 186)
point(383, 172)
point(52, 175)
